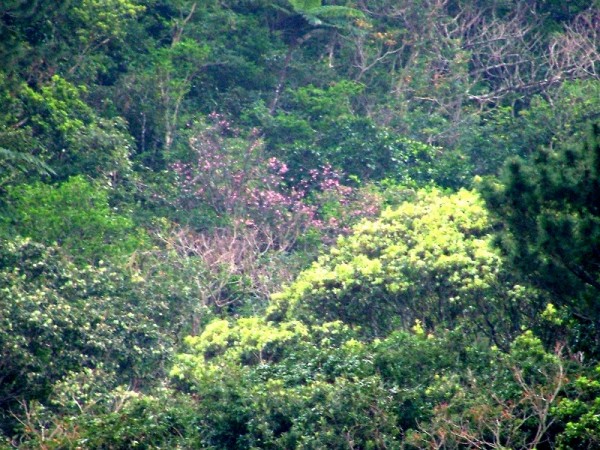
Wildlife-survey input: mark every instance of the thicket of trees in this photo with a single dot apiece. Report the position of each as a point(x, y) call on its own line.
point(299, 224)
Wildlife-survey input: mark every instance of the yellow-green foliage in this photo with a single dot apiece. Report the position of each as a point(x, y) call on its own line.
point(429, 259)
point(249, 340)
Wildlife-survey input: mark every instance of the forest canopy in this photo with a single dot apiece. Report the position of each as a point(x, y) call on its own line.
point(248, 224)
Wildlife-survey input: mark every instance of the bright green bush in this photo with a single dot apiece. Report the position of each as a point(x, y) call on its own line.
point(579, 414)
point(261, 384)
point(76, 215)
point(70, 137)
point(430, 260)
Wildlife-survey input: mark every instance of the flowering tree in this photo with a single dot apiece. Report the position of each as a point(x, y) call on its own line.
point(234, 178)
point(265, 215)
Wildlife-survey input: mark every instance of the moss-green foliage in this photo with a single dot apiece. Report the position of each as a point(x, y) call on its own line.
point(505, 400)
point(73, 37)
point(86, 409)
point(76, 215)
point(411, 332)
point(579, 414)
point(503, 133)
point(56, 318)
point(429, 259)
point(322, 126)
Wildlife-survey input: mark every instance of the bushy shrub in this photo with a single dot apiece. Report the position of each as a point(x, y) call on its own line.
point(76, 215)
point(430, 259)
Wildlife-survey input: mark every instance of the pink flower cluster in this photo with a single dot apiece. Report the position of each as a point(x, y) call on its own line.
point(233, 177)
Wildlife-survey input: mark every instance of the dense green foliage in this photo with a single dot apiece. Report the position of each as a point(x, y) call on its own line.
point(75, 215)
point(428, 261)
point(305, 224)
point(552, 217)
point(57, 319)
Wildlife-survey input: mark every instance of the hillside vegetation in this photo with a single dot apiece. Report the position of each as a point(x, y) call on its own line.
point(286, 224)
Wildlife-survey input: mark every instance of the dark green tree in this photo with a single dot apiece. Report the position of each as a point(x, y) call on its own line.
point(300, 21)
point(551, 214)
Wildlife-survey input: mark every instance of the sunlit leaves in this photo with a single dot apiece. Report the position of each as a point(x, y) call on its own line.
point(429, 259)
point(76, 215)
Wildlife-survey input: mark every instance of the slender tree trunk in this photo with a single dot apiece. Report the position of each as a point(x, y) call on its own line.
point(284, 70)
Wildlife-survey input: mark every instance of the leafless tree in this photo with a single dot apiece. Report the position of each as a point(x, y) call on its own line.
point(499, 423)
point(233, 264)
point(449, 55)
